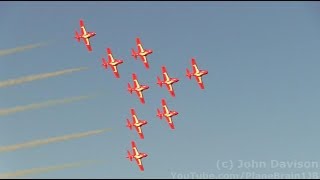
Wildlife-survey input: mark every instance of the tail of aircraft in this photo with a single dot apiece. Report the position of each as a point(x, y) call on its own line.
point(77, 36)
point(129, 88)
point(159, 114)
point(188, 73)
point(159, 81)
point(104, 63)
point(134, 54)
point(129, 125)
point(130, 156)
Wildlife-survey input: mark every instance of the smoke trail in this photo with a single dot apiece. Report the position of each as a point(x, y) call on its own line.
point(4, 112)
point(40, 142)
point(30, 78)
point(5, 52)
point(45, 169)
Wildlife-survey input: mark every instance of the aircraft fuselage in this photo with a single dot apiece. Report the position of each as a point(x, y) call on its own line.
point(138, 156)
point(138, 124)
point(143, 53)
point(140, 89)
point(115, 63)
point(201, 73)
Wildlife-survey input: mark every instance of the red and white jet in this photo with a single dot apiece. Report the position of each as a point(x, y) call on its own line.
point(137, 123)
point(143, 53)
point(167, 80)
point(137, 88)
point(196, 73)
point(138, 156)
point(167, 113)
point(84, 35)
point(112, 62)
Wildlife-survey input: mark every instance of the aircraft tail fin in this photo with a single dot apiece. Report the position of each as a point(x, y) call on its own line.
point(77, 36)
point(159, 114)
point(104, 63)
point(130, 156)
point(188, 74)
point(129, 125)
point(129, 88)
point(134, 54)
point(159, 81)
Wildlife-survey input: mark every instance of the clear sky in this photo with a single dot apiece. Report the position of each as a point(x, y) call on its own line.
point(261, 100)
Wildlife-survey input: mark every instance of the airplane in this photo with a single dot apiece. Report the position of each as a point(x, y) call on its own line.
point(138, 156)
point(142, 53)
point(113, 63)
point(168, 114)
point(137, 88)
point(196, 73)
point(84, 35)
point(167, 80)
point(137, 123)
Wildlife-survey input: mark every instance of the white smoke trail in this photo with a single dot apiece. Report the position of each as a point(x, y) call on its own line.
point(40, 142)
point(45, 169)
point(5, 52)
point(4, 112)
point(30, 78)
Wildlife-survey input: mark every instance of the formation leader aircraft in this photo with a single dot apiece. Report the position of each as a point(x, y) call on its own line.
point(167, 80)
point(142, 53)
point(137, 123)
point(138, 156)
point(84, 35)
point(196, 73)
point(137, 88)
point(113, 63)
point(168, 114)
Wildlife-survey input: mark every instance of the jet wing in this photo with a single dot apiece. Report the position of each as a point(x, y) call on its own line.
point(139, 45)
point(165, 74)
point(170, 122)
point(110, 56)
point(194, 66)
point(139, 130)
point(87, 43)
point(82, 27)
point(139, 162)
point(164, 106)
point(145, 61)
point(200, 82)
point(115, 71)
point(134, 116)
point(140, 95)
point(134, 148)
point(170, 89)
point(135, 81)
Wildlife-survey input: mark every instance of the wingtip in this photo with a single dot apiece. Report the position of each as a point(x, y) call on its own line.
point(147, 65)
point(141, 136)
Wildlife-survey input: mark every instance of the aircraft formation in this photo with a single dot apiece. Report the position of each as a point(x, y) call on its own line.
point(138, 88)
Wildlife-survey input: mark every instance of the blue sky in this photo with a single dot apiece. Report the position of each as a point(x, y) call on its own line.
point(260, 103)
